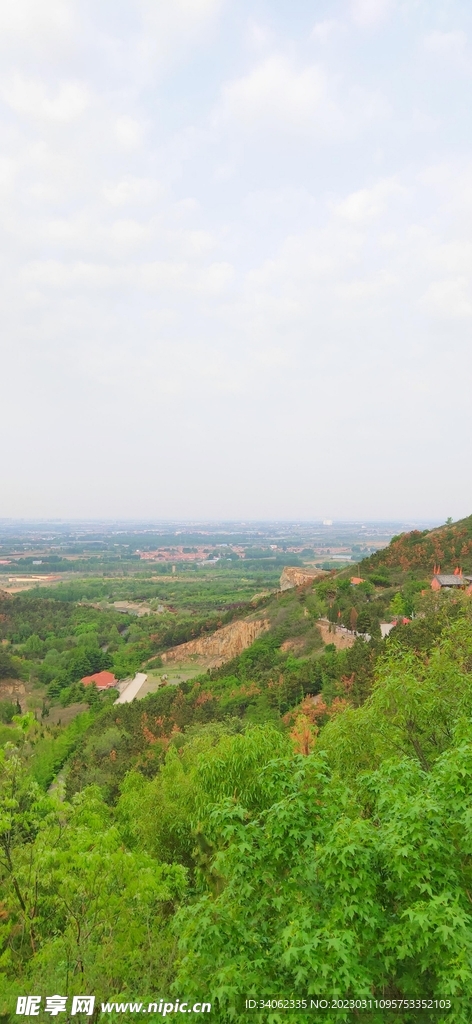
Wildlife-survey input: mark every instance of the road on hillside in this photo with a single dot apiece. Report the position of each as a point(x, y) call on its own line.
point(132, 688)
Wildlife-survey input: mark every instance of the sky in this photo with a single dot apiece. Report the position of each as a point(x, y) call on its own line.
point(236, 259)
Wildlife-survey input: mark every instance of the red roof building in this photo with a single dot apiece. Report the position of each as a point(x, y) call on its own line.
point(102, 680)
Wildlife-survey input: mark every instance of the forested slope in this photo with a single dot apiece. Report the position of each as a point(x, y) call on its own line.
point(214, 856)
point(447, 546)
point(295, 822)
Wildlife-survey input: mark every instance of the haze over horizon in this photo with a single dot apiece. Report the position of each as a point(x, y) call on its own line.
point(236, 259)
point(161, 523)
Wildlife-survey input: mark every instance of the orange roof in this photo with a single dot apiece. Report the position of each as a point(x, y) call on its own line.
point(356, 579)
point(102, 680)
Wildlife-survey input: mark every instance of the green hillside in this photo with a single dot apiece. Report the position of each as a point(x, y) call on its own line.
point(419, 551)
point(295, 822)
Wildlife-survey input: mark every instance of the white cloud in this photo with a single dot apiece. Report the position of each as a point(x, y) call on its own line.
point(158, 277)
point(132, 191)
point(180, 15)
point(377, 285)
point(368, 203)
point(37, 25)
point(448, 299)
point(370, 12)
point(192, 244)
point(170, 27)
point(185, 207)
point(258, 35)
point(8, 168)
point(129, 234)
point(274, 91)
point(323, 30)
point(280, 98)
point(128, 131)
point(257, 230)
point(450, 186)
point(452, 258)
point(51, 274)
point(446, 44)
point(32, 98)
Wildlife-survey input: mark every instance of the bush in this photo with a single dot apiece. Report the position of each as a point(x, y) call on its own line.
point(8, 668)
point(7, 710)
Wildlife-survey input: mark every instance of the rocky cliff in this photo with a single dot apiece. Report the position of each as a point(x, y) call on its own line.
point(223, 645)
point(292, 576)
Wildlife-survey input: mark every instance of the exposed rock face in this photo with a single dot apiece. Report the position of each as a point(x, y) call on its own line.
point(223, 645)
point(292, 576)
point(12, 689)
point(295, 646)
point(332, 634)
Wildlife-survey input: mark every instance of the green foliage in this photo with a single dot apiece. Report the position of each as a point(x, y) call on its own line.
point(7, 710)
point(359, 895)
point(49, 754)
point(379, 579)
point(398, 605)
point(366, 588)
point(413, 709)
point(94, 918)
point(56, 642)
point(419, 550)
point(126, 663)
point(8, 666)
point(196, 850)
point(364, 621)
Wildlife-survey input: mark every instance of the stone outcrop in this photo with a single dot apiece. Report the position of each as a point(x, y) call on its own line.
point(222, 645)
point(292, 576)
point(337, 635)
point(14, 690)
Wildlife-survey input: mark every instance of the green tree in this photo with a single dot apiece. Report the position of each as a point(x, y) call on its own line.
point(397, 605)
point(325, 889)
point(364, 622)
point(7, 711)
point(96, 917)
point(8, 667)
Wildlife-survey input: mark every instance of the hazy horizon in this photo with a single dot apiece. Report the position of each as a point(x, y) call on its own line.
point(236, 260)
point(107, 521)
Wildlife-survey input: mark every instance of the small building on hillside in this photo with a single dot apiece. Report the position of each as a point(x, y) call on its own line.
point(103, 680)
point(452, 581)
point(355, 580)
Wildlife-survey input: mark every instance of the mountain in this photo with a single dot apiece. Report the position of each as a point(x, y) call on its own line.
point(421, 550)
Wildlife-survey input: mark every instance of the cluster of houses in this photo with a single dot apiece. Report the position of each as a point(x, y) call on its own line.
point(452, 581)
